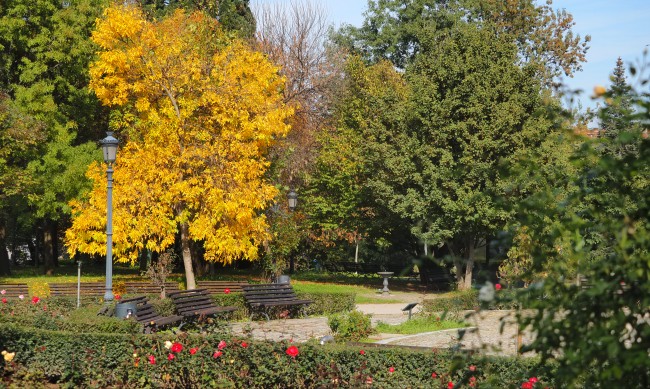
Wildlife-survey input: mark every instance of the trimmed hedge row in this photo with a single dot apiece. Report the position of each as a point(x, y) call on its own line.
point(144, 361)
point(468, 300)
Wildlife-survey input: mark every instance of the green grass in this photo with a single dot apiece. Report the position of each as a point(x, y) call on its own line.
point(419, 324)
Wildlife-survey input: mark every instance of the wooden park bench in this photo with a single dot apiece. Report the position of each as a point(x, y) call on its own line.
point(260, 297)
point(220, 287)
point(436, 277)
point(196, 304)
point(146, 315)
point(14, 290)
point(95, 289)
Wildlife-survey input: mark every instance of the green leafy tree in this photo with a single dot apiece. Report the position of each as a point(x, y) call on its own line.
point(20, 136)
point(600, 334)
point(340, 201)
point(46, 50)
point(397, 30)
point(234, 15)
point(473, 111)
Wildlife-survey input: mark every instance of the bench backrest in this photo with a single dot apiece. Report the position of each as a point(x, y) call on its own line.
point(189, 301)
point(143, 287)
point(269, 292)
point(14, 290)
point(219, 287)
point(70, 289)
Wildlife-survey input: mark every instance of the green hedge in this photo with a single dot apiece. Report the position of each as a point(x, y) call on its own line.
point(102, 360)
point(323, 303)
point(468, 300)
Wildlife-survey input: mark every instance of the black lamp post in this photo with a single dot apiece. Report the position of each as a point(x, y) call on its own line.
point(292, 196)
point(109, 147)
point(293, 199)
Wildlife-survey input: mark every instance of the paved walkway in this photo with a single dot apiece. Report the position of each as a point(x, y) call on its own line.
point(484, 333)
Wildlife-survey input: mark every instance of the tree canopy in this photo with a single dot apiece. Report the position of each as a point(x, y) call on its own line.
point(199, 111)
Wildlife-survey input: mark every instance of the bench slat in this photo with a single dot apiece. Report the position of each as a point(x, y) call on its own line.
point(272, 295)
point(14, 290)
point(194, 303)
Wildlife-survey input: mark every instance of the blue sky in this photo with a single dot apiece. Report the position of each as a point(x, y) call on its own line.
point(617, 28)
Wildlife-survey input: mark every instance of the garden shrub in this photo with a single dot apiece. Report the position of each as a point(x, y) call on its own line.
point(468, 300)
point(146, 361)
point(328, 303)
point(353, 325)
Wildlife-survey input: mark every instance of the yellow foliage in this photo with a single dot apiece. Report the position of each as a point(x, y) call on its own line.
point(205, 110)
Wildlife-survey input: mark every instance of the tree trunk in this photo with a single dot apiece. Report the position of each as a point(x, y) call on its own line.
point(200, 265)
point(33, 252)
point(187, 257)
point(54, 227)
point(5, 269)
point(48, 249)
point(464, 263)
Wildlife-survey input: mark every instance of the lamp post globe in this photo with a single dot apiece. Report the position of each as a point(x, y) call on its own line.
point(292, 196)
point(109, 148)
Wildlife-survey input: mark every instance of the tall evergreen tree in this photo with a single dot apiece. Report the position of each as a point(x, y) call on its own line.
point(614, 116)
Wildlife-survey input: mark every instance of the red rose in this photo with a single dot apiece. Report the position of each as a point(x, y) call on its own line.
point(527, 385)
point(450, 385)
point(497, 286)
point(217, 354)
point(533, 380)
point(117, 297)
point(152, 359)
point(244, 344)
point(226, 291)
point(221, 345)
point(177, 347)
point(193, 350)
point(4, 300)
point(434, 375)
point(362, 352)
point(35, 300)
point(391, 369)
point(292, 351)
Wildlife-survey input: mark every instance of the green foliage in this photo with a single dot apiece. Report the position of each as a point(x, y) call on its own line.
point(398, 29)
point(327, 303)
point(599, 334)
point(452, 302)
point(105, 360)
point(60, 314)
point(419, 324)
point(353, 325)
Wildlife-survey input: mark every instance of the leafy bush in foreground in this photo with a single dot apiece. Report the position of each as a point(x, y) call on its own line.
point(165, 360)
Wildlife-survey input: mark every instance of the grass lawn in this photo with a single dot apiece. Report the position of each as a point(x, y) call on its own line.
point(419, 324)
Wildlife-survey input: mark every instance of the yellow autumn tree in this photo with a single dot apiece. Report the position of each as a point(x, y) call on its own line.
point(199, 111)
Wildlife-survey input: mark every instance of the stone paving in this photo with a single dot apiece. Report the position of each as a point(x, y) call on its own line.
point(484, 334)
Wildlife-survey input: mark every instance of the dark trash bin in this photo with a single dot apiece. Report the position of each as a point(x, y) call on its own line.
point(125, 310)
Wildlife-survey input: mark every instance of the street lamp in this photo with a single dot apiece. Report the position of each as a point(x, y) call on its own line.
point(293, 200)
point(292, 196)
point(109, 147)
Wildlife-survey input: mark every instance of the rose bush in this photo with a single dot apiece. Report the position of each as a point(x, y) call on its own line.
point(112, 360)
